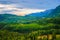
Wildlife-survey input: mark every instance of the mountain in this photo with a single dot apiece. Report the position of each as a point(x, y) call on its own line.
point(41, 14)
point(9, 18)
point(48, 13)
point(56, 12)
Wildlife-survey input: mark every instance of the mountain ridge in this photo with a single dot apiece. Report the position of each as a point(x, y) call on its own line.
point(10, 18)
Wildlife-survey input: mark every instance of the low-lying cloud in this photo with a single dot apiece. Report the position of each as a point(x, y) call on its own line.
point(13, 9)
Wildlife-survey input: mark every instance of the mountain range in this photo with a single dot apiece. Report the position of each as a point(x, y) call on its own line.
point(9, 18)
point(48, 13)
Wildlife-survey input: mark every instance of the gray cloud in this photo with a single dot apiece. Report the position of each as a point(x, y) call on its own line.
point(13, 9)
point(36, 4)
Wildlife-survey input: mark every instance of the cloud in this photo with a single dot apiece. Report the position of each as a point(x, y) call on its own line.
point(38, 4)
point(26, 11)
point(13, 9)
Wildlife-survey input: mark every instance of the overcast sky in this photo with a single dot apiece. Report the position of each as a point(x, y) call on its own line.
point(23, 7)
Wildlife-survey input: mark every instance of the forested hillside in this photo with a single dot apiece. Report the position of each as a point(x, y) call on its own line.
point(45, 27)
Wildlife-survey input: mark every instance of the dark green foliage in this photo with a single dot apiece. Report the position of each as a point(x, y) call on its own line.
point(30, 28)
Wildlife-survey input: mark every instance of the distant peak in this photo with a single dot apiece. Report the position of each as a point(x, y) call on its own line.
point(58, 7)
